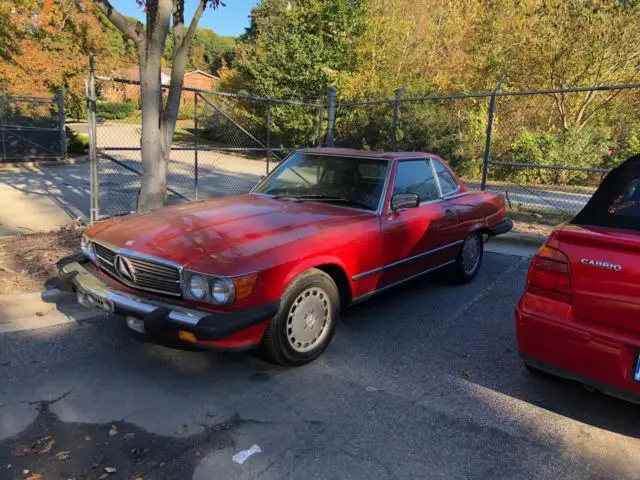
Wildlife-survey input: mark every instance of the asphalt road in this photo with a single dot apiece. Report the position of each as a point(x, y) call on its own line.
point(422, 382)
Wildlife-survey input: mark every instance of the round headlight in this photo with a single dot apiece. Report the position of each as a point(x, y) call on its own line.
point(222, 291)
point(197, 287)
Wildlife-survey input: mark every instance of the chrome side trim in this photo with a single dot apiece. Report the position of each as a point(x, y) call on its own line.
point(406, 260)
point(400, 282)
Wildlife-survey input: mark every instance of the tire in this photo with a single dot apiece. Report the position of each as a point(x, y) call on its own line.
point(461, 271)
point(309, 308)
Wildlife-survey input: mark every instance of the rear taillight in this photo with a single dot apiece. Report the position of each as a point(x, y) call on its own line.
point(549, 274)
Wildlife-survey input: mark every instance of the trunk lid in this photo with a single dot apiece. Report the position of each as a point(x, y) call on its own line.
point(605, 274)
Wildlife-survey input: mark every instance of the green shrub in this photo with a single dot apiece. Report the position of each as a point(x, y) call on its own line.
point(575, 147)
point(114, 110)
point(76, 142)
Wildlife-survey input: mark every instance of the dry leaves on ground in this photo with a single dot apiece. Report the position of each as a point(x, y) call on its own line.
point(27, 261)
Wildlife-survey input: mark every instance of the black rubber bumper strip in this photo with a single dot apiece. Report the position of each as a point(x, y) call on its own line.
point(503, 227)
point(214, 326)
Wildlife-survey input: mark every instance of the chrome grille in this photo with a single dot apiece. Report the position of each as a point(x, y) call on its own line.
point(147, 274)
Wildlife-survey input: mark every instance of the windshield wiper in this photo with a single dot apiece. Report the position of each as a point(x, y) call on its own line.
point(328, 199)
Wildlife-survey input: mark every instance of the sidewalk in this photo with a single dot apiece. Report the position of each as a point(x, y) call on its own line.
point(42, 198)
point(30, 311)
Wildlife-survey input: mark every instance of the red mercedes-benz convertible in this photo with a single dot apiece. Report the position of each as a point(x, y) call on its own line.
point(580, 314)
point(327, 228)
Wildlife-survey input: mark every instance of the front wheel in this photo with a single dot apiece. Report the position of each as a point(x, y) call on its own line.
point(305, 322)
point(469, 259)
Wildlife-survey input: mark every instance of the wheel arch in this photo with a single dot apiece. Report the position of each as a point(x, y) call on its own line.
point(330, 266)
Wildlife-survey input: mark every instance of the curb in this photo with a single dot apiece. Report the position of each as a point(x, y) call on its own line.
point(527, 238)
point(18, 166)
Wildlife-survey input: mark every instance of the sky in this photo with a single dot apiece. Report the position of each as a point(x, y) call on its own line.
point(229, 20)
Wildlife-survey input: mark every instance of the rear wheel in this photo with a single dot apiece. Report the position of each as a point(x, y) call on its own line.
point(305, 322)
point(469, 259)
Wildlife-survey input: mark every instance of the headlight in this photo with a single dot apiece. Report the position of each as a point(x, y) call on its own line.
point(87, 248)
point(222, 291)
point(197, 287)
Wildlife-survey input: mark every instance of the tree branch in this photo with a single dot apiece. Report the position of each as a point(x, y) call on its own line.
point(128, 29)
point(180, 55)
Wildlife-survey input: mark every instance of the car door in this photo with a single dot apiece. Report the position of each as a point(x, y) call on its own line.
point(415, 239)
point(466, 211)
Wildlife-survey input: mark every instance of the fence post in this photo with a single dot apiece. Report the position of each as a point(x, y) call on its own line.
point(90, 88)
point(61, 119)
point(331, 116)
point(268, 135)
point(487, 147)
point(319, 127)
point(197, 133)
point(396, 107)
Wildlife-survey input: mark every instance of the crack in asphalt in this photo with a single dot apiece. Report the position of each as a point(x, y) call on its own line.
point(46, 404)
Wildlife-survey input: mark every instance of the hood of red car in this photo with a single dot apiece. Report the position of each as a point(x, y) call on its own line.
point(224, 231)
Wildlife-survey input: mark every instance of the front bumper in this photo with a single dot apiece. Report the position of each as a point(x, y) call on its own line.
point(503, 227)
point(552, 340)
point(159, 316)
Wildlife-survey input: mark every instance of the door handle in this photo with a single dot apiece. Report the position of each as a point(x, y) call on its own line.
point(449, 214)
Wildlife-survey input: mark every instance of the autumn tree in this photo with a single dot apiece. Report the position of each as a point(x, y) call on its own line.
point(158, 116)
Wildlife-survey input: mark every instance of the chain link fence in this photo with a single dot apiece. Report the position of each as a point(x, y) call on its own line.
point(223, 145)
point(546, 150)
point(32, 128)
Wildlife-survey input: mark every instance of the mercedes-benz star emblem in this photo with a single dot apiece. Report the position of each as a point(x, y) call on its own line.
point(124, 268)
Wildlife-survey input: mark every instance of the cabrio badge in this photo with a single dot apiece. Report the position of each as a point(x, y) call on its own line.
point(124, 268)
point(599, 264)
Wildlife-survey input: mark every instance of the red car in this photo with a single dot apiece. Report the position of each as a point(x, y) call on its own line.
point(579, 317)
point(327, 228)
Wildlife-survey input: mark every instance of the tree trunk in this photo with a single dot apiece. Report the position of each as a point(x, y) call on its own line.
point(154, 151)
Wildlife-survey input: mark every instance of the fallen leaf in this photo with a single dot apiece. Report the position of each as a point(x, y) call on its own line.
point(47, 448)
point(64, 455)
point(110, 469)
point(35, 476)
point(21, 451)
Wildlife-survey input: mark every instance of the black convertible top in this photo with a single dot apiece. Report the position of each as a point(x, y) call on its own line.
point(616, 202)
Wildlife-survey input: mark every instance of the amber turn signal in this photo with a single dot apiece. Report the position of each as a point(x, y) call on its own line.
point(244, 286)
point(187, 336)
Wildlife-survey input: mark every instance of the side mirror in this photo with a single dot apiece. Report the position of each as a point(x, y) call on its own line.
point(404, 200)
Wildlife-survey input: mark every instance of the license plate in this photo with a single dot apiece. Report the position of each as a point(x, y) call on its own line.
point(636, 374)
point(89, 300)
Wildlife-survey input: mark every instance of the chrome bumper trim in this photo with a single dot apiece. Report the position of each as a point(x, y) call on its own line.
point(86, 282)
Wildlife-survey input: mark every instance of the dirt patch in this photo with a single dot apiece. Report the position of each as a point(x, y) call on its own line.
point(536, 223)
point(27, 261)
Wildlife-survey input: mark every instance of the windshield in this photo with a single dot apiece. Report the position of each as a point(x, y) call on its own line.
point(349, 181)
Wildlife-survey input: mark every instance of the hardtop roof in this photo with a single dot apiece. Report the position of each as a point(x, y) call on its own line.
point(350, 152)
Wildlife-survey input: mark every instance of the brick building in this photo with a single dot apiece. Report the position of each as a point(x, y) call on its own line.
point(122, 92)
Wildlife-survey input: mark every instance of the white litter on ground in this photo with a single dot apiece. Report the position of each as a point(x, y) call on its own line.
point(243, 455)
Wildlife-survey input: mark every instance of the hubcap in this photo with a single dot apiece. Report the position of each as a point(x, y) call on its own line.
point(471, 253)
point(308, 320)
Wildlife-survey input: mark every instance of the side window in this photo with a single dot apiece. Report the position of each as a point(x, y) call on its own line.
point(416, 176)
point(448, 184)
